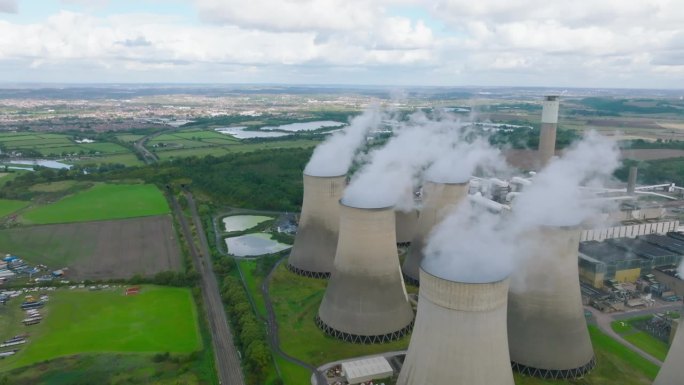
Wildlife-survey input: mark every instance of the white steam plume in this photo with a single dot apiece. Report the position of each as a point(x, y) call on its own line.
point(472, 245)
point(459, 164)
point(391, 171)
point(334, 156)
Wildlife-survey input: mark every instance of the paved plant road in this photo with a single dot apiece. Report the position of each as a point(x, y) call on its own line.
point(604, 320)
point(225, 353)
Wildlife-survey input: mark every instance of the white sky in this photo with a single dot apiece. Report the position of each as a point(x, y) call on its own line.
point(582, 43)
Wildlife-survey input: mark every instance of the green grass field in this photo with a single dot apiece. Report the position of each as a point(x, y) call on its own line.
point(641, 339)
point(159, 319)
point(9, 206)
point(101, 202)
point(128, 159)
point(56, 144)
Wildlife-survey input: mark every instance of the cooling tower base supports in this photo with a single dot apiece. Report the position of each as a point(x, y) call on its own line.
point(308, 274)
point(357, 339)
point(548, 374)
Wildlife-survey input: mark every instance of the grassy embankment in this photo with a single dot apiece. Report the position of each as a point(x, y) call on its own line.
point(9, 206)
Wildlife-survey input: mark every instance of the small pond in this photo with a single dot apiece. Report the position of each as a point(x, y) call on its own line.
point(254, 245)
point(242, 222)
point(307, 126)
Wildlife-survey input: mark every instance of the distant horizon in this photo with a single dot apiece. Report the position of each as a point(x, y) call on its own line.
point(383, 43)
point(8, 85)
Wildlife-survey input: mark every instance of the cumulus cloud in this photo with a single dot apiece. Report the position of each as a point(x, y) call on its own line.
point(8, 6)
point(445, 42)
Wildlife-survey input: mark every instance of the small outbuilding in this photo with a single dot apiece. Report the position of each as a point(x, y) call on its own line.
point(367, 369)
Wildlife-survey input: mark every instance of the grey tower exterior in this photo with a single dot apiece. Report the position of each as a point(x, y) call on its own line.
point(316, 240)
point(547, 136)
point(672, 371)
point(439, 200)
point(632, 180)
point(406, 225)
point(366, 301)
point(459, 336)
point(547, 331)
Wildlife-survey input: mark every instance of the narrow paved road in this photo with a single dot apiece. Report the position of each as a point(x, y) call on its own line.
point(604, 320)
point(273, 329)
point(226, 356)
point(148, 156)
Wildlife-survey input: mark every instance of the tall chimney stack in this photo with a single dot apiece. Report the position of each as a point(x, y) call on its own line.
point(547, 136)
point(631, 181)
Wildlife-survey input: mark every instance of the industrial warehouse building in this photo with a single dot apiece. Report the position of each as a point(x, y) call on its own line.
point(367, 369)
point(626, 259)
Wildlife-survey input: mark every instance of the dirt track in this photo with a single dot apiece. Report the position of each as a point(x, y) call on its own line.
point(99, 250)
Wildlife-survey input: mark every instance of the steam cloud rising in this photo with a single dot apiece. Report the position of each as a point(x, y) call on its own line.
point(421, 143)
point(334, 156)
point(474, 245)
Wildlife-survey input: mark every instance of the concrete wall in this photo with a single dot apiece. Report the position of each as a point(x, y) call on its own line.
point(366, 294)
point(406, 222)
point(459, 336)
point(439, 200)
point(592, 278)
point(316, 240)
point(672, 371)
point(675, 284)
point(628, 275)
point(546, 325)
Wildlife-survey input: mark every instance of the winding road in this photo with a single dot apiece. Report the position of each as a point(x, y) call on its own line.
point(273, 339)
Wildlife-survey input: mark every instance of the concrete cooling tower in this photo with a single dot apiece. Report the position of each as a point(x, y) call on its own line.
point(547, 136)
point(439, 200)
point(406, 225)
point(547, 331)
point(672, 371)
point(316, 240)
point(460, 334)
point(366, 301)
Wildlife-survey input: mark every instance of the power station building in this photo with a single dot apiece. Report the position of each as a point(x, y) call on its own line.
point(439, 200)
point(626, 259)
point(547, 330)
point(316, 240)
point(672, 371)
point(460, 334)
point(366, 301)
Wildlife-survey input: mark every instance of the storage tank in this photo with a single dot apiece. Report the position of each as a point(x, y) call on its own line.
point(547, 330)
point(460, 334)
point(439, 200)
point(366, 301)
point(316, 239)
point(549, 125)
point(672, 371)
